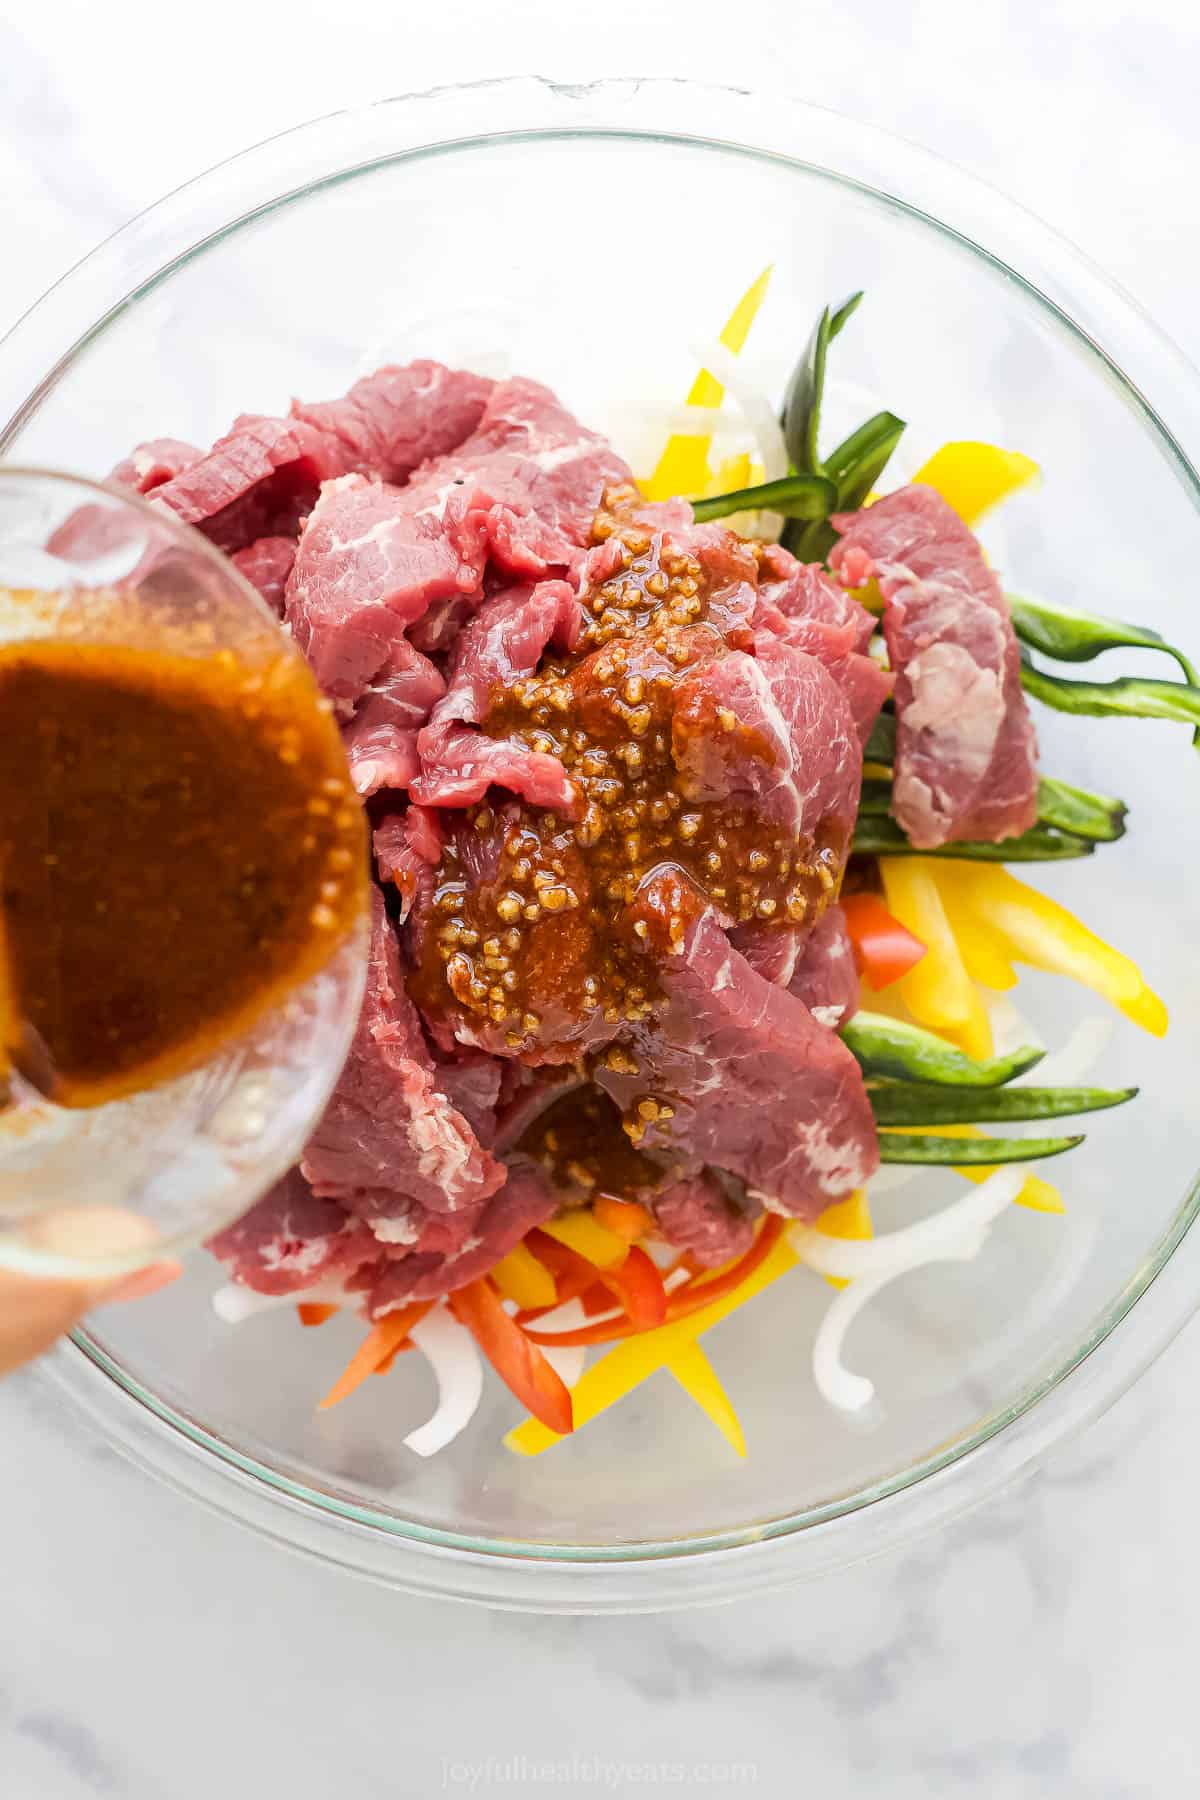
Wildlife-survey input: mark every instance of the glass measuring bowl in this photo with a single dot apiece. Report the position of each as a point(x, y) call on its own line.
point(111, 1187)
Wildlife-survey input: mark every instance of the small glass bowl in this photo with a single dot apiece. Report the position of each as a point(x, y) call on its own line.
point(104, 1189)
point(592, 237)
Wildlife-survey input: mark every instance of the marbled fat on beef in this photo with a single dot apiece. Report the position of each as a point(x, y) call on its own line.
point(966, 754)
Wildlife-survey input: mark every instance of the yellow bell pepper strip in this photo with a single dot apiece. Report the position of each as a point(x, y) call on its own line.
point(975, 1035)
point(937, 991)
point(1037, 930)
point(700, 1382)
point(973, 477)
point(683, 466)
point(984, 955)
point(1036, 1194)
point(580, 1232)
point(849, 1218)
point(631, 1361)
point(521, 1277)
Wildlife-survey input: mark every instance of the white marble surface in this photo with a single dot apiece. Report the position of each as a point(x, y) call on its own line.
point(1044, 1646)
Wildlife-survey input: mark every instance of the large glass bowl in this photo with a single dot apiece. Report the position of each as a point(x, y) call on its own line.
point(589, 237)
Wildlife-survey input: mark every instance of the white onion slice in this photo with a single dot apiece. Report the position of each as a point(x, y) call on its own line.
point(955, 1234)
point(848, 1259)
point(753, 403)
point(835, 1382)
point(1077, 1058)
point(234, 1303)
point(451, 1352)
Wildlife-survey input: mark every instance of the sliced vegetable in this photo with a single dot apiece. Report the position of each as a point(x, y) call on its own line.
point(699, 1381)
point(884, 949)
point(1070, 635)
point(629, 1364)
point(937, 989)
point(1035, 929)
point(849, 1218)
point(518, 1362)
point(694, 1297)
point(582, 1232)
point(974, 477)
point(956, 1234)
point(311, 1312)
point(949, 1151)
point(1068, 809)
point(1073, 809)
point(683, 465)
point(451, 1353)
point(796, 497)
point(801, 415)
point(881, 745)
point(891, 1048)
point(376, 1347)
point(624, 1218)
point(638, 1285)
point(522, 1278)
point(854, 467)
point(1129, 697)
point(1041, 843)
point(917, 1104)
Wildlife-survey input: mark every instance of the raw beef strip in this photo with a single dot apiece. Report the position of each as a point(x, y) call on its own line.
point(407, 849)
point(697, 1215)
point(504, 641)
point(261, 478)
point(966, 756)
point(381, 739)
point(758, 1088)
point(525, 1200)
point(771, 950)
point(801, 604)
point(528, 480)
point(257, 481)
point(153, 463)
point(400, 416)
point(291, 1240)
point(470, 1081)
point(826, 978)
point(387, 1125)
point(266, 564)
point(774, 729)
point(367, 565)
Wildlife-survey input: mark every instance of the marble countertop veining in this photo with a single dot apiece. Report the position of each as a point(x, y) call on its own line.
point(1043, 1646)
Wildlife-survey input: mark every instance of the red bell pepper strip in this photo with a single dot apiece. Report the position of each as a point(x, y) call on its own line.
point(517, 1361)
point(375, 1349)
point(884, 949)
point(688, 1299)
point(638, 1285)
point(312, 1312)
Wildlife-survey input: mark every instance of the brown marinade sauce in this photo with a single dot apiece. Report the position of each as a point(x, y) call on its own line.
point(179, 848)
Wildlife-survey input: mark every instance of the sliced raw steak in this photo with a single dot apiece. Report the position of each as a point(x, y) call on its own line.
point(801, 604)
point(505, 640)
point(826, 978)
point(758, 1088)
point(525, 1200)
point(291, 1240)
point(698, 1216)
point(772, 729)
point(367, 565)
point(154, 463)
point(266, 564)
point(387, 1125)
point(397, 418)
point(966, 755)
point(381, 739)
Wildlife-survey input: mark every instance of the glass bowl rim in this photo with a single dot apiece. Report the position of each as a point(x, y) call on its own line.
point(1060, 281)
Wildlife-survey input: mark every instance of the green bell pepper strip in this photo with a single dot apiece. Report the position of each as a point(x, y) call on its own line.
point(889, 1048)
